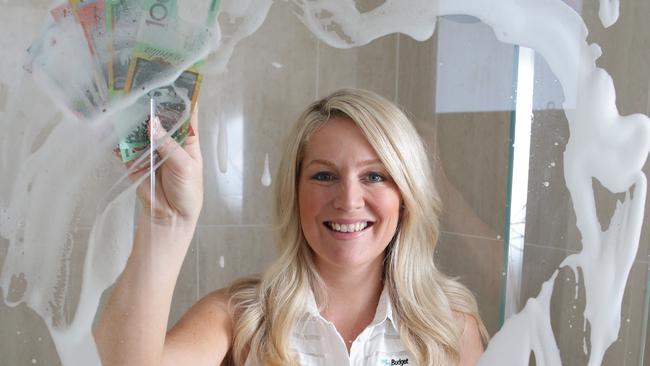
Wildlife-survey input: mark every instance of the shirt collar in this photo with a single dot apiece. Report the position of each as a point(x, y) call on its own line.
point(384, 308)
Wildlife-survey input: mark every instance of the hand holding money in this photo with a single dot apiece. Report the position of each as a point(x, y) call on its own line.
point(178, 181)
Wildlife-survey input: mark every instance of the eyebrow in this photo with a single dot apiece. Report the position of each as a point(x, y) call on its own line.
point(362, 163)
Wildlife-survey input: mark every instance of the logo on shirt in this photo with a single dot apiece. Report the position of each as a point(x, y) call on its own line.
point(392, 362)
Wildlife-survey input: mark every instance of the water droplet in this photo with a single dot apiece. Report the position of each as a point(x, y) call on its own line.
point(18, 332)
point(498, 236)
point(34, 361)
point(546, 184)
point(552, 164)
point(556, 143)
point(222, 261)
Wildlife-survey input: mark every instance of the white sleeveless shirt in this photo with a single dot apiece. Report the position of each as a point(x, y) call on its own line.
point(315, 340)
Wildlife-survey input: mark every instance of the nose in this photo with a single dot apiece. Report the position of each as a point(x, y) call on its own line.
point(349, 196)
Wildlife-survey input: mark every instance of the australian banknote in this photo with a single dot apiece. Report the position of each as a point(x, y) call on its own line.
point(164, 42)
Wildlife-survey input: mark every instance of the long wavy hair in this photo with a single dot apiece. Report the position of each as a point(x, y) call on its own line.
point(265, 309)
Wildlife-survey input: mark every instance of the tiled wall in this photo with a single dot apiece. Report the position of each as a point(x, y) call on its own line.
point(276, 72)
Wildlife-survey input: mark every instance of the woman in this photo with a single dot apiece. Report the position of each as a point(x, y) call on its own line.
point(354, 281)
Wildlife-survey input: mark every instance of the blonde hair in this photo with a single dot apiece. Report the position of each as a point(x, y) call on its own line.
point(266, 309)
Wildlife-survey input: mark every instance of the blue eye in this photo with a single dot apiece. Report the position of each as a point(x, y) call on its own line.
point(323, 177)
point(376, 177)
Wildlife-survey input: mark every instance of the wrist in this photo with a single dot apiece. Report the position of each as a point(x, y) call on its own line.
point(176, 224)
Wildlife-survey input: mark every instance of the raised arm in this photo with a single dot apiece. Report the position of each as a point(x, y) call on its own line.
point(131, 330)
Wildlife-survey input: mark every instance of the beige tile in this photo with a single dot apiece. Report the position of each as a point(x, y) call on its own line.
point(473, 154)
point(372, 67)
point(238, 196)
point(246, 250)
point(416, 84)
point(279, 67)
point(568, 303)
point(186, 290)
point(336, 69)
point(377, 66)
point(25, 337)
point(477, 263)
point(550, 219)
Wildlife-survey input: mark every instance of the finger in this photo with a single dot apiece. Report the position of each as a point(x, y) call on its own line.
point(176, 158)
point(138, 164)
point(192, 141)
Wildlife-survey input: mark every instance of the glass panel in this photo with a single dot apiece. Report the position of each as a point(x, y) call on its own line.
point(491, 113)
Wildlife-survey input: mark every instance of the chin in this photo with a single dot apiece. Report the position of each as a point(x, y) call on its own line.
point(348, 260)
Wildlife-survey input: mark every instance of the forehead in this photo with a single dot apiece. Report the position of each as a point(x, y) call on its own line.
point(339, 139)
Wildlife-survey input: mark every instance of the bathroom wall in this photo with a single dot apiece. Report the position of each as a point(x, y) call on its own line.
point(458, 87)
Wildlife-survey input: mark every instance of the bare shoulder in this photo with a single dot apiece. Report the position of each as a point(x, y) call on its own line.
point(471, 346)
point(203, 335)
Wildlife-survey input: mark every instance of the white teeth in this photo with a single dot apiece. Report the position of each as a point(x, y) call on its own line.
point(349, 228)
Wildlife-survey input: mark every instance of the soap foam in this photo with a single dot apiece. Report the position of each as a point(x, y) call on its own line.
point(38, 220)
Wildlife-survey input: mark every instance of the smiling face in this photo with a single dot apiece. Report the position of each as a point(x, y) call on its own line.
point(349, 205)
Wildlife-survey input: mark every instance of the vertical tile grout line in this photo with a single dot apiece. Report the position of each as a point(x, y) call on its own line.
point(397, 50)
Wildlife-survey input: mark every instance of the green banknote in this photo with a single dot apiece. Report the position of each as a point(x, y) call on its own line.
point(122, 23)
point(164, 42)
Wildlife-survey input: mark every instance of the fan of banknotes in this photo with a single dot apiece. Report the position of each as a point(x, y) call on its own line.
point(98, 52)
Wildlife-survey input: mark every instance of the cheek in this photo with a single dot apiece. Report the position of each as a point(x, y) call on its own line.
point(389, 204)
point(308, 206)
